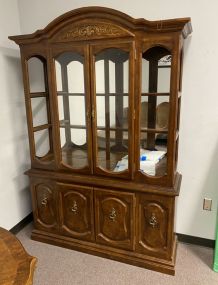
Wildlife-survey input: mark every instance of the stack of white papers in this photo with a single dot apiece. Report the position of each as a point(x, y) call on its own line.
point(151, 155)
point(122, 164)
point(148, 161)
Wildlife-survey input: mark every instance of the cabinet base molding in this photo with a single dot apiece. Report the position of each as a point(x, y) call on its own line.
point(132, 258)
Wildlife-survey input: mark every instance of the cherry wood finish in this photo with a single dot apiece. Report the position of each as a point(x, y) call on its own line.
point(154, 228)
point(16, 265)
point(44, 200)
point(114, 218)
point(76, 211)
point(79, 202)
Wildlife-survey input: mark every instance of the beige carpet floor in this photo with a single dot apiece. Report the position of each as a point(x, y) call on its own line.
point(59, 266)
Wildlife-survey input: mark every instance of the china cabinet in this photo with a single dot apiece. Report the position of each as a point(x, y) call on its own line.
point(102, 94)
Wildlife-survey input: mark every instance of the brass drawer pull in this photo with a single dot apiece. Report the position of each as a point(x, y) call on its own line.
point(113, 215)
point(153, 221)
point(44, 201)
point(74, 207)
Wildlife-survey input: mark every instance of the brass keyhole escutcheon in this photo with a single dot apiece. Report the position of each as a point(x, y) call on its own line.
point(153, 221)
point(74, 208)
point(113, 215)
point(44, 201)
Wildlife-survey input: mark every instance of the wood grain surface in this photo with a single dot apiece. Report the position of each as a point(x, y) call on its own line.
point(16, 265)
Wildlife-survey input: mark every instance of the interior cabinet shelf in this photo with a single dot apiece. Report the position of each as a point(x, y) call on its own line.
point(102, 93)
point(155, 94)
point(38, 94)
point(146, 130)
point(106, 94)
point(42, 127)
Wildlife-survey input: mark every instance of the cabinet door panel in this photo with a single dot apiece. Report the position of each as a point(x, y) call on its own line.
point(76, 211)
point(155, 225)
point(44, 205)
point(73, 100)
point(112, 123)
point(114, 218)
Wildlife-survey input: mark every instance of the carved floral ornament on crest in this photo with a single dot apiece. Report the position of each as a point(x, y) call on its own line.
point(92, 31)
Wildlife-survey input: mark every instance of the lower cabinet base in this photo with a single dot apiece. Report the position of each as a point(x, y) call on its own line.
point(127, 226)
point(129, 257)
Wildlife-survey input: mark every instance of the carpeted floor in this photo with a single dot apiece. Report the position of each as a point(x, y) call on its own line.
point(59, 266)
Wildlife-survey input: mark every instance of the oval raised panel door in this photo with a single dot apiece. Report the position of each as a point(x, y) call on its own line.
point(114, 218)
point(155, 233)
point(45, 205)
point(75, 213)
point(114, 225)
point(155, 225)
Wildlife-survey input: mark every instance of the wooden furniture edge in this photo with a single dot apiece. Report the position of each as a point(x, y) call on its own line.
point(32, 267)
point(95, 181)
point(29, 263)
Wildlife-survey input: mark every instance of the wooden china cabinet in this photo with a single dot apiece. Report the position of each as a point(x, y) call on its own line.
point(102, 94)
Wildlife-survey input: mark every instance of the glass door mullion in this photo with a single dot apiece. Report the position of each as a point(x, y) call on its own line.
point(107, 111)
point(119, 103)
point(152, 102)
point(66, 106)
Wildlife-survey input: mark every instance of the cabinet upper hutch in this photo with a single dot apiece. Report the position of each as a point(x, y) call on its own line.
point(102, 94)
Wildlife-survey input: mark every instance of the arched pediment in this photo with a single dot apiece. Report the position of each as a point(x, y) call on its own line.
point(99, 22)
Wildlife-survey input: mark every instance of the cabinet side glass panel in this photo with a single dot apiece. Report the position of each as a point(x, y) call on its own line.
point(154, 115)
point(39, 111)
point(72, 109)
point(39, 101)
point(112, 105)
point(36, 74)
point(42, 144)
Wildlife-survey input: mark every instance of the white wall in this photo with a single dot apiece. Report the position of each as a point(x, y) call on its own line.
point(198, 154)
point(14, 193)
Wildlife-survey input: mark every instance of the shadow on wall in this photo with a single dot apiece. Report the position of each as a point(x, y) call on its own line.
point(203, 218)
point(208, 189)
point(15, 139)
point(210, 186)
point(198, 155)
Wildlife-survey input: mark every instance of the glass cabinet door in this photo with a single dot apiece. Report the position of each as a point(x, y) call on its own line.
point(154, 111)
point(112, 106)
point(73, 109)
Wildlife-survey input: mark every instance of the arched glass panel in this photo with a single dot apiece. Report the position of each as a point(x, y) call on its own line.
point(36, 75)
point(42, 144)
point(39, 111)
point(72, 109)
point(39, 99)
point(112, 103)
point(154, 116)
